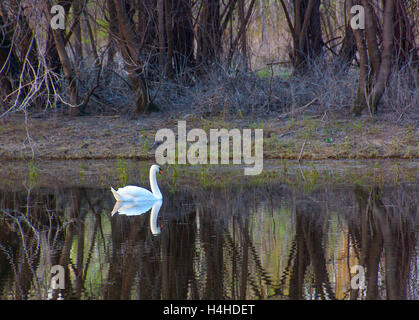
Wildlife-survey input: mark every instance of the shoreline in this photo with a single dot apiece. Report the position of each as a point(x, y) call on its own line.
point(21, 175)
point(114, 137)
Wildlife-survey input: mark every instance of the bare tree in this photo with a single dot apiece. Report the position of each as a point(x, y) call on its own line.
point(305, 27)
point(68, 70)
point(209, 31)
point(375, 60)
point(130, 52)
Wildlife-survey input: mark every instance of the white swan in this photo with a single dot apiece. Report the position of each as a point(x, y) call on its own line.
point(134, 193)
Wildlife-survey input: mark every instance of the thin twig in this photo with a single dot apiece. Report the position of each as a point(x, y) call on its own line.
point(302, 150)
point(299, 109)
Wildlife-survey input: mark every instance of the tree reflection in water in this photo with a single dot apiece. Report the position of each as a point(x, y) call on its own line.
point(247, 242)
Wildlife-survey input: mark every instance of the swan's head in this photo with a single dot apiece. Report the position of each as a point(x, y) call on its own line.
point(155, 168)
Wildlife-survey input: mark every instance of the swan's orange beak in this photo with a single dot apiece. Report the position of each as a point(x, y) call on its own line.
point(160, 171)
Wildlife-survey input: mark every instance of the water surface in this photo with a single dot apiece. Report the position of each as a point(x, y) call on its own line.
point(294, 232)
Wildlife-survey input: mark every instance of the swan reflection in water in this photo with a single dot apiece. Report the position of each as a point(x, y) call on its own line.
point(136, 208)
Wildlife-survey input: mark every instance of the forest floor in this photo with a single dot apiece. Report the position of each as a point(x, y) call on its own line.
point(318, 137)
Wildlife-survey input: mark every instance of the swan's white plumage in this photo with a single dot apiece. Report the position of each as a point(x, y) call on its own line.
point(135, 208)
point(134, 193)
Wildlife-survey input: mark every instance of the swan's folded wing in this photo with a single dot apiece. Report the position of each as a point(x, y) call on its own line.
point(134, 192)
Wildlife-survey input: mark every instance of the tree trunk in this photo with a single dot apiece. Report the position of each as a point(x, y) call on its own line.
point(404, 36)
point(385, 66)
point(360, 99)
point(5, 84)
point(371, 34)
point(241, 34)
point(263, 18)
point(77, 7)
point(306, 31)
point(161, 34)
point(169, 38)
point(130, 52)
point(209, 32)
point(183, 35)
point(243, 38)
point(348, 50)
point(68, 73)
point(375, 65)
point(113, 29)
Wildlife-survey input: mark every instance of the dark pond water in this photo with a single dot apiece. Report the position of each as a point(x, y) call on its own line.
point(216, 236)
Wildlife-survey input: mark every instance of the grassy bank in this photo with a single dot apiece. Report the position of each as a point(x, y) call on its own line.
point(309, 175)
point(314, 137)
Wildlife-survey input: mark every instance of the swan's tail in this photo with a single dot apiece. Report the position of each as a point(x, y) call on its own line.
point(116, 195)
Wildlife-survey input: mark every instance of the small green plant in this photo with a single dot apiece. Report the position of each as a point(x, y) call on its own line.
point(122, 171)
point(264, 73)
point(81, 173)
point(291, 123)
point(396, 172)
point(346, 145)
point(311, 177)
point(357, 125)
point(256, 125)
point(395, 146)
point(33, 174)
point(205, 176)
point(146, 143)
point(175, 172)
point(144, 174)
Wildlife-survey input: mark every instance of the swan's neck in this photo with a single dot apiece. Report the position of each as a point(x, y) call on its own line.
point(154, 186)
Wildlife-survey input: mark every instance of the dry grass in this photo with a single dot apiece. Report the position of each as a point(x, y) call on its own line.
point(292, 109)
point(112, 137)
point(274, 91)
point(233, 93)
